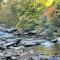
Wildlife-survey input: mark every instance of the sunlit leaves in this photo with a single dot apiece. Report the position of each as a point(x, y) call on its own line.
point(41, 5)
point(57, 1)
point(46, 3)
point(49, 3)
point(31, 10)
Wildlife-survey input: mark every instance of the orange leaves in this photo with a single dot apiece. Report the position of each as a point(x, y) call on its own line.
point(49, 12)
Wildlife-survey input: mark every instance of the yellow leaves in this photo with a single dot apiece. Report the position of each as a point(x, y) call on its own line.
point(48, 3)
point(36, 3)
point(39, 8)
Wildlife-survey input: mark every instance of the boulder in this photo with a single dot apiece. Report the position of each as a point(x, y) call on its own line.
point(29, 44)
point(54, 40)
point(17, 33)
point(32, 33)
point(12, 42)
point(11, 30)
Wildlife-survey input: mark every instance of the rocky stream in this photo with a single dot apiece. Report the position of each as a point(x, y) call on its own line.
point(16, 45)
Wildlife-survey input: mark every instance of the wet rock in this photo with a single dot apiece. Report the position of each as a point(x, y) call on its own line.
point(8, 58)
point(7, 36)
point(16, 48)
point(11, 30)
point(32, 33)
point(54, 40)
point(2, 38)
point(48, 38)
point(13, 58)
point(25, 33)
point(12, 42)
point(28, 43)
point(31, 42)
point(18, 40)
point(18, 33)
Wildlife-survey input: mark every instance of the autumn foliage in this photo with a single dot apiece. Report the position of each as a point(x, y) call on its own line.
point(49, 12)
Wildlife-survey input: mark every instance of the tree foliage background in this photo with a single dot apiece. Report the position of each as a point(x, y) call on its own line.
point(37, 15)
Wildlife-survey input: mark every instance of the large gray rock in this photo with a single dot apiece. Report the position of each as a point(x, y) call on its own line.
point(54, 40)
point(31, 42)
point(12, 42)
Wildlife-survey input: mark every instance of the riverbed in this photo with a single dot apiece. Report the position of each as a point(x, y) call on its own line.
point(11, 44)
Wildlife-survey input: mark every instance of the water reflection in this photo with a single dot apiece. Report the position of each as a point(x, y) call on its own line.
point(49, 49)
point(47, 44)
